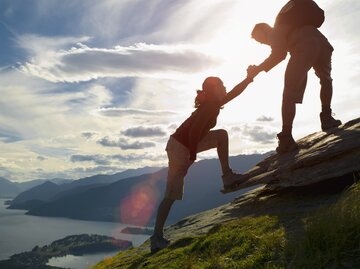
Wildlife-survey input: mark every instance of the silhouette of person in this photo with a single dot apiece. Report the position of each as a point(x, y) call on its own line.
point(296, 31)
point(193, 136)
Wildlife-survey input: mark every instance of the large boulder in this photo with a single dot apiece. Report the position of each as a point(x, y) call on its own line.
point(321, 156)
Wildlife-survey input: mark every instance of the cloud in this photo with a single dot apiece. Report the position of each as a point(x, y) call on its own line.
point(83, 63)
point(118, 112)
point(144, 132)
point(86, 171)
point(256, 133)
point(88, 135)
point(8, 136)
point(98, 159)
point(124, 144)
point(43, 46)
point(342, 20)
point(259, 134)
point(141, 157)
point(103, 160)
point(5, 173)
point(264, 118)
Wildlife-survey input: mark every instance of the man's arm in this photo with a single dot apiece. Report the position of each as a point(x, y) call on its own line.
point(278, 42)
point(277, 55)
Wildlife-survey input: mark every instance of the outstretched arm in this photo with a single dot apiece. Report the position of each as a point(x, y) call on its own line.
point(237, 90)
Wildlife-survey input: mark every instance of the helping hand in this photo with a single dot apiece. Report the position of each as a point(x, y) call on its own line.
point(252, 71)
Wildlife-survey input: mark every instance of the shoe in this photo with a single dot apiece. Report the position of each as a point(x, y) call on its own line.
point(286, 143)
point(231, 178)
point(327, 120)
point(158, 242)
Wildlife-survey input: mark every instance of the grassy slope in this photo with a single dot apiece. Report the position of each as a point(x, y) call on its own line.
point(329, 238)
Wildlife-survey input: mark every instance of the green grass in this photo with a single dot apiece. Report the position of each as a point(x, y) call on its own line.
point(332, 235)
point(330, 239)
point(243, 243)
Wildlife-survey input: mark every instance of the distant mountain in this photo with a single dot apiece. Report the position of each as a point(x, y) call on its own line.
point(49, 191)
point(134, 200)
point(35, 195)
point(24, 186)
point(8, 189)
point(112, 178)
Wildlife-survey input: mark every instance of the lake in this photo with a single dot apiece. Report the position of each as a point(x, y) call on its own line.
point(20, 232)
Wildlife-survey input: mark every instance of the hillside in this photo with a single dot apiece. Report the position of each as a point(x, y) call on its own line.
point(305, 214)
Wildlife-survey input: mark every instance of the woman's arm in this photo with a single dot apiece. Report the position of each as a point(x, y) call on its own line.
point(237, 90)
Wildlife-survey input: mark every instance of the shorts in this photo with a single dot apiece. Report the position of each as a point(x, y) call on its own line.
point(310, 50)
point(178, 156)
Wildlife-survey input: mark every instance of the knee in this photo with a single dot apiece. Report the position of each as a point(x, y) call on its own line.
point(222, 135)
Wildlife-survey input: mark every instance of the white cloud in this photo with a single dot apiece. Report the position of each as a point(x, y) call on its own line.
point(82, 63)
point(125, 144)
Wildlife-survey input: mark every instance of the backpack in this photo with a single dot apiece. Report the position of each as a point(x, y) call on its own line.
point(298, 13)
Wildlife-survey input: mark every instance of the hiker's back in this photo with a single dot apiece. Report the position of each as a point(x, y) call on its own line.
point(308, 34)
point(299, 13)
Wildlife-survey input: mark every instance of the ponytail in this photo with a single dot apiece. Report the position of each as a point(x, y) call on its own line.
point(200, 98)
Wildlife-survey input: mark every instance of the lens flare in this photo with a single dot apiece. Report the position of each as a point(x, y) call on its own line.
point(139, 206)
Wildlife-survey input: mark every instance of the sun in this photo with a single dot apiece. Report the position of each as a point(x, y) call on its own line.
point(235, 50)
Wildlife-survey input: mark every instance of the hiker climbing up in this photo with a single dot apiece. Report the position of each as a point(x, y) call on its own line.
point(193, 136)
point(296, 31)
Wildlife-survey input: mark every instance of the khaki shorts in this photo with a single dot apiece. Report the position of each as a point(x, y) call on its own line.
point(311, 50)
point(178, 156)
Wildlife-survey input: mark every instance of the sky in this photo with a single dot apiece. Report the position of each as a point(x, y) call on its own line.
point(96, 87)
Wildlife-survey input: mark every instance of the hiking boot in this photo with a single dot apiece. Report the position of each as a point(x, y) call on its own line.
point(286, 143)
point(230, 179)
point(158, 242)
point(327, 120)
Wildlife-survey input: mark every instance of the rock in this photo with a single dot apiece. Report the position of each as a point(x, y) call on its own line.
point(321, 156)
point(295, 183)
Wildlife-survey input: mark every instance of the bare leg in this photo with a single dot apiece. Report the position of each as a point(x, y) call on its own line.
point(217, 139)
point(323, 70)
point(326, 95)
point(288, 112)
point(223, 151)
point(162, 214)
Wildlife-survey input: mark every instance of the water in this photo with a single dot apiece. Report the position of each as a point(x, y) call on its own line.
point(19, 233)
point(79, 262)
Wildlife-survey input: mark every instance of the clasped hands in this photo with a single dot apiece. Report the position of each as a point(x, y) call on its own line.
point(253, 71)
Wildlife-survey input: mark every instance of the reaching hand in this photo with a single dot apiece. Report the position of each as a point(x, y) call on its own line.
point(253, 71)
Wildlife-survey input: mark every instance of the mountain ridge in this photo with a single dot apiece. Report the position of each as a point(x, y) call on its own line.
point(134, 200)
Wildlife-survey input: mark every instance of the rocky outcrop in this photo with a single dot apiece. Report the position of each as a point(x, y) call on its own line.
point(321, 156)
point(290, 185)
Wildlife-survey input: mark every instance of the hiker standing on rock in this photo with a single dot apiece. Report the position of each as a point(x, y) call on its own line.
point(193, 136)
point(295, 31)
